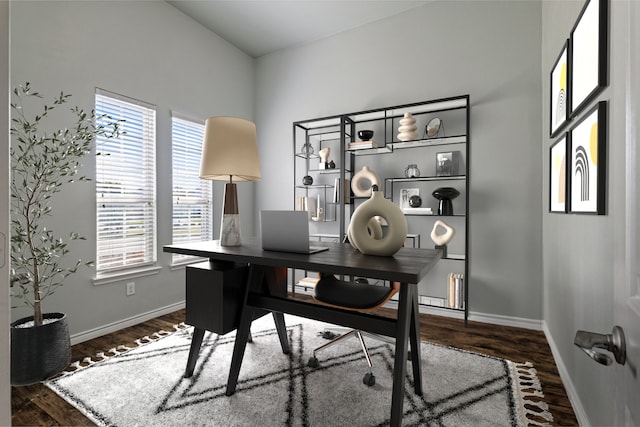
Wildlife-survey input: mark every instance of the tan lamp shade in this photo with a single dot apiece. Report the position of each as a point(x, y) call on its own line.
point(230, 149)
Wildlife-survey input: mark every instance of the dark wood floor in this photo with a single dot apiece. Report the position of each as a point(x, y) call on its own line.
point(36, 405)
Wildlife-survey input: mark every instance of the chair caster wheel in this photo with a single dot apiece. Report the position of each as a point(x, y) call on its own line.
point(313, 362)
point(369, 379)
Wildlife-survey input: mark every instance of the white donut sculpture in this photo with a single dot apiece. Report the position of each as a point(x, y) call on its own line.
point(365, 232)
point(364, 174)
point(444, 238)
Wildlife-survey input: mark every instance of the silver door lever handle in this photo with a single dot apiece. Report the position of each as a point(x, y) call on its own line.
point(591, 343)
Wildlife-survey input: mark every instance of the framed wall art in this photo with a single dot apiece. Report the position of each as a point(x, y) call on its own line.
point(589, 54)
point(559, 97)
point(588, 173)
point(558, 175)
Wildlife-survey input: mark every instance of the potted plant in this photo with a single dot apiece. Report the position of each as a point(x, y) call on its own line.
point(42, 163)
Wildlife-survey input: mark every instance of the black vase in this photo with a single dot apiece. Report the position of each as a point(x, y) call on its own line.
point(445, 195)
point(39, 352)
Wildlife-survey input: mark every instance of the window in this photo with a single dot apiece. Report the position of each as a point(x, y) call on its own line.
point(192, 205)
point(126, 187)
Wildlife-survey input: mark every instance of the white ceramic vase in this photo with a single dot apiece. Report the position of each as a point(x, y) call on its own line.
point(364, 174)
point(407, 130)
point(365, 232)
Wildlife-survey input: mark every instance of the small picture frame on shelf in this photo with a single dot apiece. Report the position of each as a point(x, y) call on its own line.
point(405, 195)
point(447, 163)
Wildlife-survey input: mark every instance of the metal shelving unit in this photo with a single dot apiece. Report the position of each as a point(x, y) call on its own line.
point(331, 187)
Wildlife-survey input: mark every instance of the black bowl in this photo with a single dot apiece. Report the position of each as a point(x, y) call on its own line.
point(365, 135)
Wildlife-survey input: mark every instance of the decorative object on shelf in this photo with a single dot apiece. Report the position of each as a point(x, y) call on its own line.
point(365, 134)
point(415, 201)
point(361, 145)
point(445, 195)
point(406, 194)
point(412, 171)
point(331, 164)
point(441, 240)
point(307, 149)
point(324, 157)
point(307, 180)
point(447, 163)
point(364, 174)
point(407, 129)
point(230, 150)
point(456, 291)
point(433, 128)
point(444, 238)
point(359, 228)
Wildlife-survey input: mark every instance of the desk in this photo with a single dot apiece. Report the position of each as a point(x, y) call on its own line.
point(408, 266)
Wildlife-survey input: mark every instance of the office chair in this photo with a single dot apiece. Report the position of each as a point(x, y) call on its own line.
point(351, 296)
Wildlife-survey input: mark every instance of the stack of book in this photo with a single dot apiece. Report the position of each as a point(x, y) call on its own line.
point(456, 291)
point(359, 145)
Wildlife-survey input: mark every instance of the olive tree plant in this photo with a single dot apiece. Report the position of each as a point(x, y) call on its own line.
point(42, 163)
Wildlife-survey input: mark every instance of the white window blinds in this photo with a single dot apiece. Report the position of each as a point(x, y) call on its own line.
point(192, 205)
point(126, 186)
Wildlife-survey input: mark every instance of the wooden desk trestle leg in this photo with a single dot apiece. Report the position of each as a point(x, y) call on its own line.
point(405, 309)
point(256, 277)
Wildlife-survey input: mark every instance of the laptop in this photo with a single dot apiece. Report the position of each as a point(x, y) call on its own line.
point(287, 231)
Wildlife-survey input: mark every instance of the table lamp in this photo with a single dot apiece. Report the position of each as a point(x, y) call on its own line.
point(230, 152)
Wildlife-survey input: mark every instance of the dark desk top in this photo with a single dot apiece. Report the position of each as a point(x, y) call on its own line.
point(408, 265)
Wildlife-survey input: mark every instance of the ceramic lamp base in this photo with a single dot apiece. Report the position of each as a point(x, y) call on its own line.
point(230, 229)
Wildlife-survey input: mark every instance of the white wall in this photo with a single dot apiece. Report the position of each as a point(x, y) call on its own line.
point(490, 50)
point(5, 390)
point(145, 50)
point(578, 250)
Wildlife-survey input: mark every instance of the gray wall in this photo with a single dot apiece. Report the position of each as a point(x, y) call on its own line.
point(145, 50)
point(5, 389)
point(578, 250)
point(489, 50)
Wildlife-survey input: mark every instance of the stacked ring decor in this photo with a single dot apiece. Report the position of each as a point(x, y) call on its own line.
point(364, 174)
point(365, 232)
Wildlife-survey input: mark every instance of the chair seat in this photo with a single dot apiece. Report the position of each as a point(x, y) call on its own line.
point(331, 290)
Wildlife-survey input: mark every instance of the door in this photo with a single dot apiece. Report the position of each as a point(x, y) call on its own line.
point(627, 279)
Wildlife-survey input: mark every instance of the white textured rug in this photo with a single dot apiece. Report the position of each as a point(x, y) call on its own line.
point(143, 386)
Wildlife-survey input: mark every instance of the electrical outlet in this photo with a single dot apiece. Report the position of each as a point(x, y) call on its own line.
point(131, 288)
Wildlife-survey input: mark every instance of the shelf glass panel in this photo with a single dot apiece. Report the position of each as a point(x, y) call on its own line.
point(458, 139)
point(428, 178)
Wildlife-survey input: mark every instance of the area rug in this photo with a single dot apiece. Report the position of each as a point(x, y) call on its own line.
point(143, 386)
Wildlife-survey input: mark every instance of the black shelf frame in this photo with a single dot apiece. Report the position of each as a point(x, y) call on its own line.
point(341, 128)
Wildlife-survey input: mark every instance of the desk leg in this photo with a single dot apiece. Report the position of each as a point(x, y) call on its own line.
point(244, 331)
point(400, 362)
point(194, 351)
point(414, 337)
point(278, 318)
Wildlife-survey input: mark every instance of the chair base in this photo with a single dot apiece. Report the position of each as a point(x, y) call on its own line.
point(369, 378)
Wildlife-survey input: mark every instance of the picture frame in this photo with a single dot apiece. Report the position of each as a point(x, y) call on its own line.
point(588, 154)
point(447, 163)
point(559, 97)
point(559, 175)
point(589, 46)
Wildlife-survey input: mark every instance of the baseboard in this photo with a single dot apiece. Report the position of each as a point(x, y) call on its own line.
point(578, 409)
point(125, 323)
